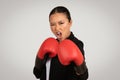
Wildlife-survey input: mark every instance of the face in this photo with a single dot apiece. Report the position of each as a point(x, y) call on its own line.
point(60, 25)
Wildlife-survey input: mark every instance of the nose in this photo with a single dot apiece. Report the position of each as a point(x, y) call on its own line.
point(57, 28)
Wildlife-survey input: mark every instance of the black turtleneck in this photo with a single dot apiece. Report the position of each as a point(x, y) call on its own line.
point(61, 72)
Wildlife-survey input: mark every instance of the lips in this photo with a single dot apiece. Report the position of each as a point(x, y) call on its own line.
point(58, 34)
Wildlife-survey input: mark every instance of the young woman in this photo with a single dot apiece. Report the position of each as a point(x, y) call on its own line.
point(60, 51)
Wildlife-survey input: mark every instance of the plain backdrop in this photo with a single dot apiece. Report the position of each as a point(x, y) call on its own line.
point(24, 24)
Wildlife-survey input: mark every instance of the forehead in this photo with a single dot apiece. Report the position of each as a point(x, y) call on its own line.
point(58, 17)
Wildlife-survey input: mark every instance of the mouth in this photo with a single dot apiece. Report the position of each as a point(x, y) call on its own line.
point(58, 35)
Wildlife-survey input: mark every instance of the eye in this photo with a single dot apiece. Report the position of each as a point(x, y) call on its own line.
point(60, 23)
point(52, 24)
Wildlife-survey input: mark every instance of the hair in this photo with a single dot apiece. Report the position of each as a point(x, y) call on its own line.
point(61, 9)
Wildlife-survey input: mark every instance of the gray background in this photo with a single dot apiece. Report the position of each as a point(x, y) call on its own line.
point(24, 25)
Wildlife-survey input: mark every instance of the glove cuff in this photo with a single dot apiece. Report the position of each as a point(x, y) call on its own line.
point(81, 69)
point(39, 63)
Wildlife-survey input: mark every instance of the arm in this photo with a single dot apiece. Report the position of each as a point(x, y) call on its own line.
point(83, 68)
point(39, 66)
point(68, 52)
point(47, 49)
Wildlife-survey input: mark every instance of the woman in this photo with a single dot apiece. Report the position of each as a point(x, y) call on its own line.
point(76, 69)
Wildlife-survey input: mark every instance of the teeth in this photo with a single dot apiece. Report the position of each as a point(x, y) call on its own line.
point(58, 33)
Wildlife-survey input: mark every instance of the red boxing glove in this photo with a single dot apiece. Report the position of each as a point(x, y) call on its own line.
point(68, 52)
point(49, 46)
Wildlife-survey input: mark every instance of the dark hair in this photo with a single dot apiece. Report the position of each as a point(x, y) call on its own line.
point(61, 9)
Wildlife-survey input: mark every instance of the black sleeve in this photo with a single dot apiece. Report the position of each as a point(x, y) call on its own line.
point(40, 67)
point(37, 72)
point(82, 68)
point(83, 76)
point(80, 45)
point(40, 74)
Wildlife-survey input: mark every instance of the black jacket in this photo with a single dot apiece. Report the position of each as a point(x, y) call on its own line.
point(59, 71)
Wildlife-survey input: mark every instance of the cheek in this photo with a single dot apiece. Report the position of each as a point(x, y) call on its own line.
point(52, 29)
point(66, 28)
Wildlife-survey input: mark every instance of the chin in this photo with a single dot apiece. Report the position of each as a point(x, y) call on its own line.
point(59, 39)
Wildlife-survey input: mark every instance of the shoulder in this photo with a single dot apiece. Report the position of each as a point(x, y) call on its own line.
point(78, 42)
